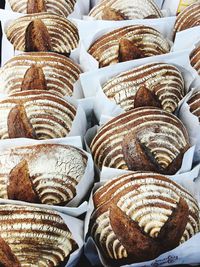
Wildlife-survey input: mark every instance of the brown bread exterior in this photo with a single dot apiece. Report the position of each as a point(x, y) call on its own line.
point(146, 138)
point(128, 43)
point(194, 104)
point(139, 216)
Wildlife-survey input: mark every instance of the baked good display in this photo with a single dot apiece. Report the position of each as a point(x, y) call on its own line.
point(124, 10)
point(128, 43)
point(43, 32)
point(60, 7)
point(39, 71)
point(32, 236)
point(188, 18)
point(155, 84)
point(147, 138)
point(44, 173)
point(195, 59)
point(139, 216)
point(35, 114)
point(194, 104)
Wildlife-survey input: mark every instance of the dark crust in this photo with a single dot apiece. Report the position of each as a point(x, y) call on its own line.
point(7, 258)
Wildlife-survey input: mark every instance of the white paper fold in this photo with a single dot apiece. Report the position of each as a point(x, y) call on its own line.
point(98, 28)
point(74, 207)
point(187, 253)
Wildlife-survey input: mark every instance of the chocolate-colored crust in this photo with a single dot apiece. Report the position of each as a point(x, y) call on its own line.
point(139, 216)
point(155, 84)
point(195, 59)
point(142, 139)
point(38, 237)
point(127, 43)
point(36, 6)
point(46, 173)
point(39, 71)
point(188, 18)
point(194, 104)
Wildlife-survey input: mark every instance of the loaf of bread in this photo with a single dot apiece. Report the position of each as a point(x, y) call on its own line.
point(194, 104)
point(155, 84)
point(148, 139)
point(45, 173)
point(139, 216)
point(39, 71)
point(125, 10)
point(60, 7)
point(43, 32)
point(188, 18)
point(32, 236)
point(195, 59)
point(35, 114)
point(128, 43)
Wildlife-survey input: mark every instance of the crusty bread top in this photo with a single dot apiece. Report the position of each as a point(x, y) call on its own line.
point(63, 33)
point(127, 9)
point(59, 71)
point(60, 7)
point(194, 104)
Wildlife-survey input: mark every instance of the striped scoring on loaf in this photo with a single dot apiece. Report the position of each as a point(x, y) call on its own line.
point(60, 7)
point(188, 18)
point(164, 80)
point(50, 115)
point(60, 72)
point(130, 9)
point(37, 237)
point(146, 198)
point(55, 170)
point(161, 132)
point(63, 33)
point(195, 59)
point(106, 49)
point(194, 104)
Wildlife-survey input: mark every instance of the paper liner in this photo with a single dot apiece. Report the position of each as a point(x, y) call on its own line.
point(81, 8)
point(101, 27)
point(187, 253)
point(75, 226)
point(92, 82)
point(75, 207)
point(192, 124)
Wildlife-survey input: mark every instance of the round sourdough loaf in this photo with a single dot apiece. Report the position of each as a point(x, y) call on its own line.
point(155, 84)
point(60, 7)
point(128, 43)
point(32, 236)
point(194, 104)
point(195, 59)
point(139, 216)
point(43, 32)
point(148, 139)
point(188, 18)
point(125, 9)
point(45, 173)
point(39, 71)
point(35, 114)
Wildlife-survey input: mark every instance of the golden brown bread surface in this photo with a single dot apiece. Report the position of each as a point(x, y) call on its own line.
point(147, 138)
point(195, 59)
point(155, 84)
point(43, 32)
point(125, 9)
point(128, 43)
point(139, 216)
point(40, 71)
point(45, 173)
point(60, 7)
point(188, 18)
point(36, 237)
point(35, 114)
